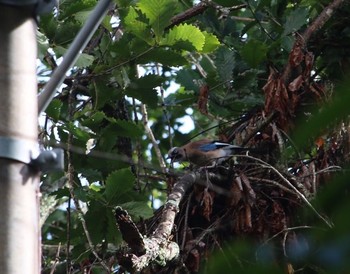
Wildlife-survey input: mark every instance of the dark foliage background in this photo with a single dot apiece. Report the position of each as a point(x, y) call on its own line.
point(264, 74)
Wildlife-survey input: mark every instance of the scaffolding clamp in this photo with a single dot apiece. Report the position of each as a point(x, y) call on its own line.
point(28, 152)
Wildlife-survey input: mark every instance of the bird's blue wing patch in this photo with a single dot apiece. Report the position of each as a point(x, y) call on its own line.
point(208, 147)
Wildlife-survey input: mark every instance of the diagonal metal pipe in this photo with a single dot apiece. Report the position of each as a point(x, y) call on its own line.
point(78, 44)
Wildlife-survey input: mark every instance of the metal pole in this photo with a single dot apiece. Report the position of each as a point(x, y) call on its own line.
point(19, 216)
point(72, 54)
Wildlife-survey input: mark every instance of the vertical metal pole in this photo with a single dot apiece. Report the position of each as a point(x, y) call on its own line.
point(19, 226)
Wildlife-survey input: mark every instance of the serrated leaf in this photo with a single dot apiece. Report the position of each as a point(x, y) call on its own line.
point(159, 13)
point(94, 121)
point(101, 223)
point(78, 133)
point(103, 93)
point(225, 62)
point(138, 209)
point(54, 109)
point(254, 52)
point(96, 187)
point(211, 42)
point(92, 175)
point(144, 90)
point(84, 60)
point(82, 16)
point(118, 183)
point(164, 56)
point(43, 44)
point(296, 19)
point(135, 23)
point(185, 33)
point(108, 135)
point(127, 129)
point(187, 78)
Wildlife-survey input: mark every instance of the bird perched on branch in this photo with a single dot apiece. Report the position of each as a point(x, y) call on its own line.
point(204, 152)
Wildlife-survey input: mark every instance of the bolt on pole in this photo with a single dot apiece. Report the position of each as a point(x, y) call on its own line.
point(19, 203)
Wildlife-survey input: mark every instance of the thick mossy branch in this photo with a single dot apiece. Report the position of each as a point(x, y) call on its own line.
point(158, 248)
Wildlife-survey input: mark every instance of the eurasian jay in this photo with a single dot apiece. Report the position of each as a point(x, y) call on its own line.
point(204, 152)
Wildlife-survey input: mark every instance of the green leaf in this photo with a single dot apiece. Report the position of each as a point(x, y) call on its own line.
point(127, 129)
point(159, 13)
point(43, 44)
point(78, 132)
point(185, 33)
point(82, 16)
point(325, 117)
point(254, 52)
point(94, 121)
point(296, 19)
point(101, 223)
point(144, 90)
point(164, 56)
point(189, 79)
point(136, 24)
point(108, 135)
point(211, 42)
point(118, 184)
point(103, 93)
point(225, 63)
point(84, 60)
point(138, 209)
point(54, 109)
point(95, 187)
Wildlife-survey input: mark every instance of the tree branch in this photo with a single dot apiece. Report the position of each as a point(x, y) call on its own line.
point(158, 247)
point(316, 25)
point(151, 137)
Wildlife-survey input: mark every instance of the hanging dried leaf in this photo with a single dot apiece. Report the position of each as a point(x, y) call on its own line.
point(305, 174)
point(309, 61)
point(236, 191)
point(296, 56)
point(277, 219)
point(296, 83)
point(251, 196)
point(207, 204)
point(277, 98)
point(193, 260)
point(203, 99)
point(318, 90)
point(248, 216)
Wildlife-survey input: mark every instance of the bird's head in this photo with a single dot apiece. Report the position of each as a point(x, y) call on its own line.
point(176, 154)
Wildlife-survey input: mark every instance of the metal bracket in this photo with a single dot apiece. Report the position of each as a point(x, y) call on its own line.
point(49, 160)
point(28, 152)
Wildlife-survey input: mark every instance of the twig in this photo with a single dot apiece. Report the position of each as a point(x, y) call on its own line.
point(317, 24)
point(186, 222)
point(57, 259)
point(70, 178)
point(302, 196)
point(271, 182)
point(85, 228)
point(165, 110)
point(262, 126)
point(280, 232)
point(257, 20)
point(321, 19)
point(151, 137)
point(187, 14)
